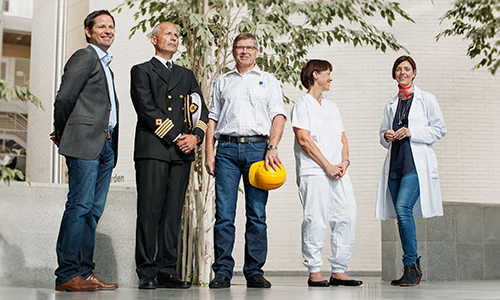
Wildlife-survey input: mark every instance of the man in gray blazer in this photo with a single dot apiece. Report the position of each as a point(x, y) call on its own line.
point(86, 132)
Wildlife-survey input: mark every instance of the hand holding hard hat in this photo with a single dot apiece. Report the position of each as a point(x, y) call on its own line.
point(264, 179)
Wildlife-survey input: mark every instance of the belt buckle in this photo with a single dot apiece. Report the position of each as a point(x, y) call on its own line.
point(241, 139)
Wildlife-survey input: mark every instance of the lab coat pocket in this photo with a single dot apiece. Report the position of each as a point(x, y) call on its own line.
point(432, 164)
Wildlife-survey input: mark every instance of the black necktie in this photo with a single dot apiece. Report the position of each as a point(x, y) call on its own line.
point(169, 69)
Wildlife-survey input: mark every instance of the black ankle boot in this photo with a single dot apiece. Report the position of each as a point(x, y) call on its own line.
point(411, 275)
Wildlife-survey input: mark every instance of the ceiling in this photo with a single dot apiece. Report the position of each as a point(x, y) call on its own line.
point(16, 39)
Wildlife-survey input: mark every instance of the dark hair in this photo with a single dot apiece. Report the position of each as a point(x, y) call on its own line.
point(90, 20)
point(245, 36)
point(318, 65)
point(399, 61)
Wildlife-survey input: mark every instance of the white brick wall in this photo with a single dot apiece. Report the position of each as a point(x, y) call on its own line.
point(468, 156)
point(42, 84)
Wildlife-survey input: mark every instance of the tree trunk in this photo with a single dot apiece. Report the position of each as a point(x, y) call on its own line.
point(198, 219)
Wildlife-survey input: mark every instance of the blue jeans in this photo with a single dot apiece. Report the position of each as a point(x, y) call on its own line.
point(88, 188)
point(231, 162)
point(405, 192)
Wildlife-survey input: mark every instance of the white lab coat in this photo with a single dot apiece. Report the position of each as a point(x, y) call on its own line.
point(426, 126)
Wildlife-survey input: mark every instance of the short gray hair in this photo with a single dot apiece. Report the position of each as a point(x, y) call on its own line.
point(245, 36)
point(155, 30)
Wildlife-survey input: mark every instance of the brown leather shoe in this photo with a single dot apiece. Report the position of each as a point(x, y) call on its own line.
point(101, 284)
point(77, 284)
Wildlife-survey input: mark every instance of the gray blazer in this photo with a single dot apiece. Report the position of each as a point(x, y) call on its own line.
point(82, 108)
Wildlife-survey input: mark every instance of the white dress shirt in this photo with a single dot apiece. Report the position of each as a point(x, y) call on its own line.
point(245, 105)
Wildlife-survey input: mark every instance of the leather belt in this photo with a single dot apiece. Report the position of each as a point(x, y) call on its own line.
point(243, 139)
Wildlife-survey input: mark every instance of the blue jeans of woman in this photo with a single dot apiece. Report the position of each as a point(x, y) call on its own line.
point(88, 189)
point(405, 192)
point(233, 161)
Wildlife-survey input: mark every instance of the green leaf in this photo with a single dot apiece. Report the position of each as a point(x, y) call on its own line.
point(8, 175)
point(476, 21)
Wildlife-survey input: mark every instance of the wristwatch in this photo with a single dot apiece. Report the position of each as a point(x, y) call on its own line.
point(271, 147)
point(198, 138)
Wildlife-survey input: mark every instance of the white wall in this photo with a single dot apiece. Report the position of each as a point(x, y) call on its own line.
point(42, 84)
point(22, 8)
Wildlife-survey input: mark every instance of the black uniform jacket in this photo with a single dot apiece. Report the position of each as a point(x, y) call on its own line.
point(160, 101)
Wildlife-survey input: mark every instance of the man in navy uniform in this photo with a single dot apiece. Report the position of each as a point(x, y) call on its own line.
point(164, 141)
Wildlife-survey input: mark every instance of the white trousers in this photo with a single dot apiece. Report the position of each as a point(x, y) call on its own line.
point(331, 201)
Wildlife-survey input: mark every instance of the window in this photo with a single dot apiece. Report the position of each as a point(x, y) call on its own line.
point(6, 5)
point(22, 72)
point(3, 71)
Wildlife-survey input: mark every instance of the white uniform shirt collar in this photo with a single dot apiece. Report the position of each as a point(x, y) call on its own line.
point(163, 61)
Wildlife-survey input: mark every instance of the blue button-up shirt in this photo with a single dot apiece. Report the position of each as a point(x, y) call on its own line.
point(105, 59)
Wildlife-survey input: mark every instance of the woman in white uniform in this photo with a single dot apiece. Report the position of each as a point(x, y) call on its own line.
point(325, 190)
point(409, 182)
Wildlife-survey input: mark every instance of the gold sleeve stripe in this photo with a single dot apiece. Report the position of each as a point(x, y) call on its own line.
point(165, 131)
point(164, 124)
point(202, 125)
point(162, 133)
point(164, 128)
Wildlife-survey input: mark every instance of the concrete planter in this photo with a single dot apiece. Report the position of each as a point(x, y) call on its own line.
point(29, 224)
point(464, 244)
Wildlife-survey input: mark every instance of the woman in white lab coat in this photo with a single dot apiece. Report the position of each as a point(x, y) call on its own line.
point(409, 182)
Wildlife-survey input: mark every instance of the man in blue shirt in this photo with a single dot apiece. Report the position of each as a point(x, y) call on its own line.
point(86, 132)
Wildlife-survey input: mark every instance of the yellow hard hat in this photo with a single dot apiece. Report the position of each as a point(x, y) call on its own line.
point(264, 179)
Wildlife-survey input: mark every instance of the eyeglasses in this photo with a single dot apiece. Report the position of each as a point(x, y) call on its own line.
point(248, 48)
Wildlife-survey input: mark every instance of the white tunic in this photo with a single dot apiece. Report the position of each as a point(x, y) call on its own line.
point(325, 126)
point(325, 200)
point(426, 126)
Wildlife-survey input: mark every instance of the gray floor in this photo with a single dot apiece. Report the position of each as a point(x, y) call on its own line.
point(284, 287)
